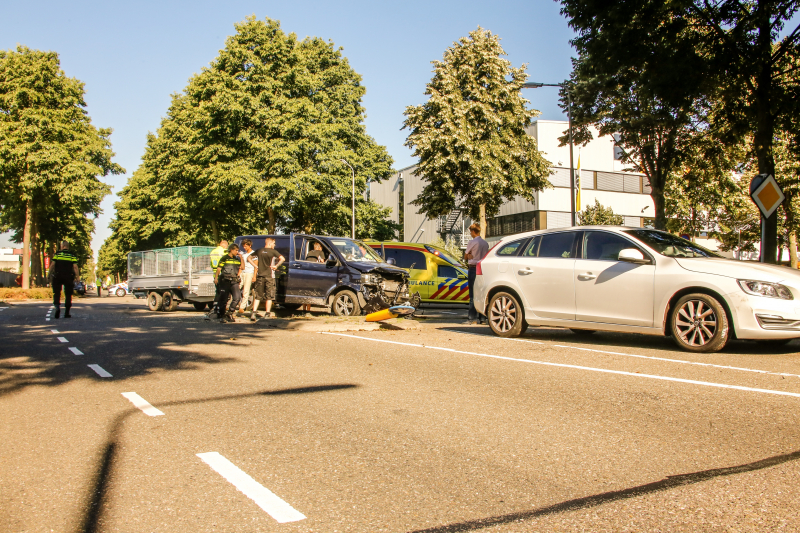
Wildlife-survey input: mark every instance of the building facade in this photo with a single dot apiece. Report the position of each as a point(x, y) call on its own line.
point(602, 178)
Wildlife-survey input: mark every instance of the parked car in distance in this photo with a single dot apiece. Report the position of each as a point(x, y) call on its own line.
point(436, 276)
point(79, 287)
point(634, 280)
point(120, 289)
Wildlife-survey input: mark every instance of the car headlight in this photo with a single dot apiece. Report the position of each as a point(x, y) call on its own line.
point(370, 279)
point(765, 288)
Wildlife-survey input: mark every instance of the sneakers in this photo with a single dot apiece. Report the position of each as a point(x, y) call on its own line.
point(240, 312)
point(67, 315)
point(253, 317)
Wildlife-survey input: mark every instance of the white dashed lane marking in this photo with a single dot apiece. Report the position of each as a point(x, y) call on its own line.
point(62, 339)
point(142, 404)
point(578, 367)
point(100, 371)
point(75, 350)
point(263, 497)
point(595, 350)
point(54, 331)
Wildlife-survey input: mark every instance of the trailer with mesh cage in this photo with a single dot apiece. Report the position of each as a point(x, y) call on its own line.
point(169, 276)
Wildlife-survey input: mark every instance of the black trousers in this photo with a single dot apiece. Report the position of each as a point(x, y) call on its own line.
point(227, 288)
point(472, 313)
point(68, 285)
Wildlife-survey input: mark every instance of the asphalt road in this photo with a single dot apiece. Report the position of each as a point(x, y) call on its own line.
point(443, 429)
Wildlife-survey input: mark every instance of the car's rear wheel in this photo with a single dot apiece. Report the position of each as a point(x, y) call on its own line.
point(120, 292)
point(505, 315)
point(699, 324)
point(154, 301)
point(345, 303)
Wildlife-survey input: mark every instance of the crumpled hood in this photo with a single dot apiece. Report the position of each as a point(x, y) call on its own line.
point(741, 269)
point(377, 267)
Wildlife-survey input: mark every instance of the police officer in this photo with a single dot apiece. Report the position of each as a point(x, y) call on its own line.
point(215, 255)
point(226, 277)
point(63, 272)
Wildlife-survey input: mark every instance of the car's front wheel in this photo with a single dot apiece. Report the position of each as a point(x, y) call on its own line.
point(699, 324)
point(120, 292)
point(505, 315)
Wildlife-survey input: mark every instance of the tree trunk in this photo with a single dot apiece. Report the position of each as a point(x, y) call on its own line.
point(483, 220)
point(657, 195)
point(36, 261)
point(215, 231)
point(271, 215)
point(793, 249)
point(764, 126)
point(26, 246)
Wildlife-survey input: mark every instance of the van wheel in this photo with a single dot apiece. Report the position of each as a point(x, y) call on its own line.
point(505, 315)
point(699, 324)
point(345, 303)
point(154, 301)
point(169, 302)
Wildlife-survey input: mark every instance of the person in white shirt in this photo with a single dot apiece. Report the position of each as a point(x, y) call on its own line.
point(476, 250)
point(246, 273)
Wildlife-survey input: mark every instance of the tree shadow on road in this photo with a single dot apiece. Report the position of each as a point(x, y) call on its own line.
point(97, 498)
point(595, 500)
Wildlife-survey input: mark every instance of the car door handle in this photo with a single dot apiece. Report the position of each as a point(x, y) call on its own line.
point(525, 271)
point(296, 265)
point(587, 276)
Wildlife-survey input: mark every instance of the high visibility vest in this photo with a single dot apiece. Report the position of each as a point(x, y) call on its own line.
point(216, 254)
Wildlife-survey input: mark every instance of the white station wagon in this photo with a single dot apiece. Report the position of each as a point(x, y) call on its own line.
point(611, 278)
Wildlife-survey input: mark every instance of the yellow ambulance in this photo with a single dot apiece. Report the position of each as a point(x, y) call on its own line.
point(435, 274)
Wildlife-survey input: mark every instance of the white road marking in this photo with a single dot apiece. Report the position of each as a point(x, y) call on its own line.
point(578, 367)
point(62, 339)
point(54, 331)
point(263, 497)
point(47, 319)
point(680, 361)
point(100, 371)
point(142, 404)
point(75, 350)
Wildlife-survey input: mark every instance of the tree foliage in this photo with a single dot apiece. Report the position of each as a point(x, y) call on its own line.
point(470, 135)
point(51, 157)
point(254, 144)
point(598, 215)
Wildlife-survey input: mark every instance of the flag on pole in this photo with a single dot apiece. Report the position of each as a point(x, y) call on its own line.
point(578, 184)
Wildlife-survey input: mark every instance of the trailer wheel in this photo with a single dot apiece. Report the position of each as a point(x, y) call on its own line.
point(154, 301)
point(200, 306)
point(169, 302)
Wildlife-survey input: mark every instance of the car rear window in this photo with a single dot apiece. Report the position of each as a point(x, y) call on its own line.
point(511, 248)
point(560, 244)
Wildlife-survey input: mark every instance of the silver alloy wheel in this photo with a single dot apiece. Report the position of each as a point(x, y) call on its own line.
point(120, 292)
point(503, 314)
point(696, 323)
point(344, 305)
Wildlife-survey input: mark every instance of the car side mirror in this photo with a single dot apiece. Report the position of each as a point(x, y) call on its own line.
point(331, 260)
point(391, 261)
point(632, 255)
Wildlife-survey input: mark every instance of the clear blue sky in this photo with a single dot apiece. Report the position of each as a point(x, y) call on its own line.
point(133, 55)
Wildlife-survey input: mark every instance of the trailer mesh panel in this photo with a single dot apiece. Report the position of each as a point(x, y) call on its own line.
point(170, 261)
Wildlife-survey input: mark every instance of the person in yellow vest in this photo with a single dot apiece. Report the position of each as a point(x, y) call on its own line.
point(63, 273)
point(215, 255)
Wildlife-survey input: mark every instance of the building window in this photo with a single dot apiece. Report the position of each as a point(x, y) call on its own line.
point(511, 224)
point(618, 152)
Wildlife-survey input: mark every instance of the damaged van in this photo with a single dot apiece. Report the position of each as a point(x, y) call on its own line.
point(348, 276)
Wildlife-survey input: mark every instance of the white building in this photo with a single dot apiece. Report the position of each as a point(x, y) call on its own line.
point(602, 178)
point(10, 259)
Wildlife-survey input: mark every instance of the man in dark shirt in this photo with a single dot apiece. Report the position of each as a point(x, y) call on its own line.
point(269, 260)
point(316, 254)
point(63, 272)
point(226, 277)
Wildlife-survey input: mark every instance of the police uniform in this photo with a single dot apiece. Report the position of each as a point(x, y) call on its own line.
point(215, 255)
point(63, 276)
point(228, 283)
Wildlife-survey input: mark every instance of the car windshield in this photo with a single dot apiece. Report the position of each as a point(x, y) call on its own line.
point(670, 245)
point(444, 255)
point(356, 251)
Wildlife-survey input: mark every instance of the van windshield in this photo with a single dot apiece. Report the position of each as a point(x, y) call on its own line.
point(356, 251)
point(670, 245)
point(444, 255)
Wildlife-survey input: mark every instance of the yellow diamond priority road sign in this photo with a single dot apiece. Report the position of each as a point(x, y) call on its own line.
point(767, 194)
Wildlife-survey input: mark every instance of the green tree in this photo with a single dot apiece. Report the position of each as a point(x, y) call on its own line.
point(470, 135)
point(598, 215)
point(50, 157)
point(690, 51)
point(88, 273)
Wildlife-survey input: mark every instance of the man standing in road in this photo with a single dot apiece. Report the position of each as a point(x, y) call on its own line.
point(63, 273)
point(247, 273)
point(215, 255)
point(226, 277)
point(269, 260)
point(476, 250)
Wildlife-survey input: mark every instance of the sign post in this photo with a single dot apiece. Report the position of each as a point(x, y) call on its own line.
point(767, 195)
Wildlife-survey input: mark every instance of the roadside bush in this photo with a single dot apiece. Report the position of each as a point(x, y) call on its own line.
point(15, 293)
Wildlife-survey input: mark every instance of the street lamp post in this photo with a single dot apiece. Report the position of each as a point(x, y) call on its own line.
point(535, 85)
point(353, 214)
